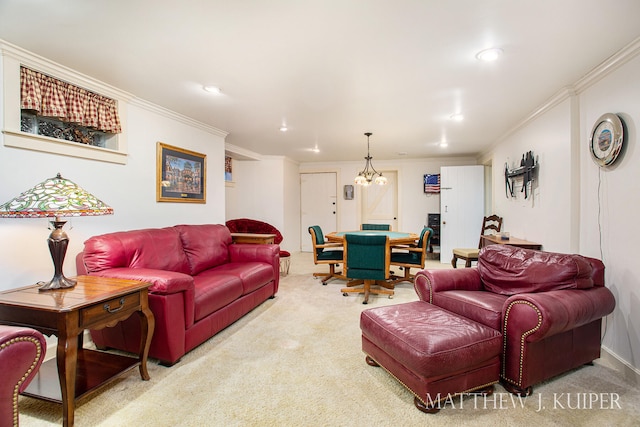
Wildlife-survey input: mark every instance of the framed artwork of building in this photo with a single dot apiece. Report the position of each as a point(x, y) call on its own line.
point(181, 175)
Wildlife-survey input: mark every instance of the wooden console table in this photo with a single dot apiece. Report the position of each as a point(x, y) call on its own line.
point(253, 238)
point(94, 303)
point(512, 241)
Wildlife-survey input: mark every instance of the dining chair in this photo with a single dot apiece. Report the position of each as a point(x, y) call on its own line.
point(382, 227)
point(324, 252)
point(367, 260)
point(410, 256)
point(492, 223)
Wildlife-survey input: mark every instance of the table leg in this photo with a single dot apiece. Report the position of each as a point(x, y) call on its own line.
point(67, 361)
point(147, 325)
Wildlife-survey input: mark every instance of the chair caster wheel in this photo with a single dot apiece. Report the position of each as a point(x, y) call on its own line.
point(344, 294)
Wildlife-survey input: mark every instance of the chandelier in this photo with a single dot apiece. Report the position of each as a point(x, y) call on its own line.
point(369, 174)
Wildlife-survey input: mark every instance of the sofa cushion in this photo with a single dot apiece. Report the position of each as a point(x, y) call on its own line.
point(480, 306)
point(154, 248)
point(214, 290)
point(509, 270)
point(253, 275)
point(205, 245)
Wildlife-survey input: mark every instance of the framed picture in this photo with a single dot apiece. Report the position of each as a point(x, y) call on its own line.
point(432, 183)
point(181, 175)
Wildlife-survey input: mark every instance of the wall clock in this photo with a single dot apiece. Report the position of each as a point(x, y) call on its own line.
point(607, 138)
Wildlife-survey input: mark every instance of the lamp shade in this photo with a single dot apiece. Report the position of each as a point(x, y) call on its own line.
point(54, 197)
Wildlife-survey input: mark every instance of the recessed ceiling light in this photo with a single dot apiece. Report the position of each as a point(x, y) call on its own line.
point(443, 144)
point(488, 55)
point(458, 117)
point(212, 89)
point(283, 128)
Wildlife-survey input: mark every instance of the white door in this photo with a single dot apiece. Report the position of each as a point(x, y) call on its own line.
point(461, 208)
point(318, 205)
point(379, 203)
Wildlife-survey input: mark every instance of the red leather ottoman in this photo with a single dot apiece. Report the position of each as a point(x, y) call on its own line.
point(436, 354)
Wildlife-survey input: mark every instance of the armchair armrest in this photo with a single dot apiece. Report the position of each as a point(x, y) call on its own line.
point(534, 316)
point(22, 351)
point(330, 245)
point(163, 282)
point(427, 282)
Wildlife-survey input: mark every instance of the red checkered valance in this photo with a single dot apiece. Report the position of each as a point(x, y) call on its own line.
point(50, 97)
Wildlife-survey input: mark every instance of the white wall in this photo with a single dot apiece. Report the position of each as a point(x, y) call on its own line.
point(129, 189)
point(267, 189)
point(609, 225)
point(578, 207)
point(545, 216)
point(413, 203)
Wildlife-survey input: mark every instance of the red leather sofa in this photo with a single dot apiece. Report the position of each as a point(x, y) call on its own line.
point(200, 283)
point(548, 306)
point(22, 351)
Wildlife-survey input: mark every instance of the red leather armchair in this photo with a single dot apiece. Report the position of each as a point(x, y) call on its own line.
point(247, 225)
point(21, 353)
point(548, 306)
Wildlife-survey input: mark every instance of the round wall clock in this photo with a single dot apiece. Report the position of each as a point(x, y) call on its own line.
point(607, 138)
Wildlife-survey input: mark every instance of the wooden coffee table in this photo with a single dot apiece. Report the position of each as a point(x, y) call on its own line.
point(94, 303)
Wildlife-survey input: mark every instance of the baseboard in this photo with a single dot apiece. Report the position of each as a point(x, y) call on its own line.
point(609, 358)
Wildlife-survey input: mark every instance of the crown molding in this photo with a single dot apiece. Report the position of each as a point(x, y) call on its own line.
point(157, 109)
point(46, 66)
point(611, 64)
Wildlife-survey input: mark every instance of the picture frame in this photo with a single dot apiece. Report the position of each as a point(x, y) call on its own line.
point(181, 175)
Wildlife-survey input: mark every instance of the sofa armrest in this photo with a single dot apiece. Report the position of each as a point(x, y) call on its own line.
point(162, 282)
point(534, 316)
point(268, 253)
point(427, 282)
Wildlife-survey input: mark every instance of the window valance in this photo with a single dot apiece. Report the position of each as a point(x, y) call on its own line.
point(51, 97)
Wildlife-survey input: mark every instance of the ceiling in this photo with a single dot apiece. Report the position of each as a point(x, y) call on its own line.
point(331, 70)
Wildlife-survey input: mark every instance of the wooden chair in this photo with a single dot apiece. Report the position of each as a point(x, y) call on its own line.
point(410, 256)
point(367, 261)
point(489, 223)
point(326, 253)
point(382, 227)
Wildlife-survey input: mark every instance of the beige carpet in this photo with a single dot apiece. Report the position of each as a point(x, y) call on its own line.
point(296, 361)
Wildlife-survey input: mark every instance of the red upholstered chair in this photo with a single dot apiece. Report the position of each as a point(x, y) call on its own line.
point(22, 351)
point(247, 225)
point(548, 306)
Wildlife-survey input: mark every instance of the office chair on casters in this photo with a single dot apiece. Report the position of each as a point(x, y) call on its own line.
point(367, 262)
point(326, 253)
point(381, 227)
point(410, 256)
point(489, 223)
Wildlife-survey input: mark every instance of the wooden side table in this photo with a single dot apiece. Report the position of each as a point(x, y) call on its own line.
point(94, 303)
point(512, 241)
point(253, 238)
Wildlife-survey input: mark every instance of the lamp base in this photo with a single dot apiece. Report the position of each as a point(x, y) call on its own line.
point(58, 282)
point(58, 242)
